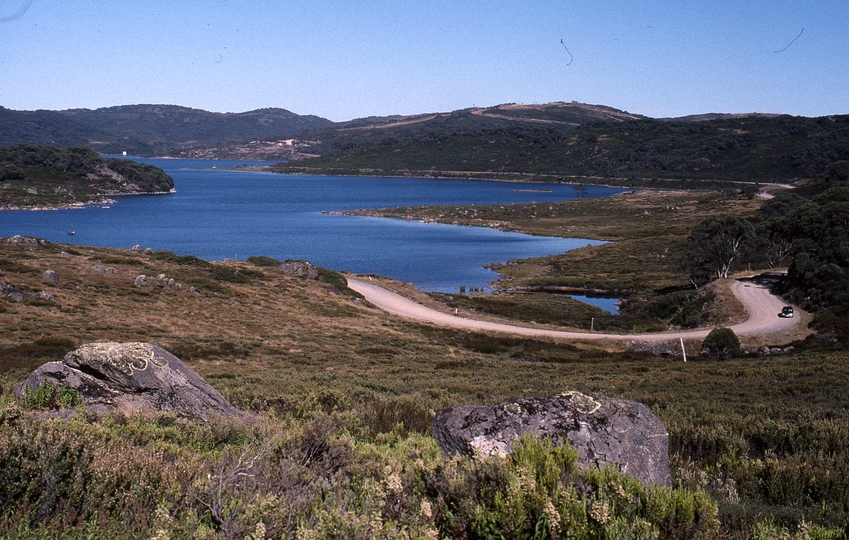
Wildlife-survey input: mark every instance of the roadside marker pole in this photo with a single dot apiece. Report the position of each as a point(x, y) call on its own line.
point(683, 351)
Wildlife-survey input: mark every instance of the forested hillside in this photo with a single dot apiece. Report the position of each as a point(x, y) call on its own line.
point(148, 130)
point(627, 152)
point(549, 142)
point(54, 129)
point(167, 128)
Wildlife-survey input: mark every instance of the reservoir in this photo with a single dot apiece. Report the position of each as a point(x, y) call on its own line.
point(217, 214)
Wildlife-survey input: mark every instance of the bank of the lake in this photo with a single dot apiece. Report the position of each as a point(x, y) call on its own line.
point(218, 213)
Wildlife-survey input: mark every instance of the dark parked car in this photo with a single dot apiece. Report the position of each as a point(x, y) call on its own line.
point(786, 312)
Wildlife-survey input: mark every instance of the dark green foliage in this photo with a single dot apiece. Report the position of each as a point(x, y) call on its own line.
point(746, 149)
point(750, 191)
point(815, 238)
point(225, 273)
point(46, 175)
point(691, 311)
point(781, 204)
point(147, 130)
point(338, 281)
point(686, 309)
point(148, 178)
point(721, 344)
point(11, 172)
point(714, 245)
point(47, 128)
point(262, 260)
point(76, 160)
point(838, 171)
point(190, 260)
point(162, 128)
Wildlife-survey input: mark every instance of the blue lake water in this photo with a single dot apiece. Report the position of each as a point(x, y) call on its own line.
point(217, 214)
point(610, 305)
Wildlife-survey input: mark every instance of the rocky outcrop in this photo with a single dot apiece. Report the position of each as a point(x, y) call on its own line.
point(8, 291)
point(50, 275)
point(19, 240)
point(300, 269)
point(133, 377)
point(602, 429)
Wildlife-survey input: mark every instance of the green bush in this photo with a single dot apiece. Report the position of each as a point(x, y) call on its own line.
point(170, 256)
point(230, 275)
point(47, 396)
point(262, 260)
point(147, 177)
point(721, 343)
point(538, 491)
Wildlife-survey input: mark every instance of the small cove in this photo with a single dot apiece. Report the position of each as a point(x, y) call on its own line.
point(218, 213)
point(610, 305)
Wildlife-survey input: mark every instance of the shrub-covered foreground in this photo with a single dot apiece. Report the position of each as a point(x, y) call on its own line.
point(163, 477)
point(344, 391)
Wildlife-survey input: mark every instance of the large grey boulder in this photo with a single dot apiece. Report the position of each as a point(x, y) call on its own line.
point(300, 269)
point(602, 429)
point(133, 377)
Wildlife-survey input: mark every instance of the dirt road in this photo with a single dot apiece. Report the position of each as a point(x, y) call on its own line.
point(762, 306)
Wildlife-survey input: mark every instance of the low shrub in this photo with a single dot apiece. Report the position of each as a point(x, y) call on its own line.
point(721, 344)
point(337, 280)
point(189, 260)
point(49, 397)
point(114, 259)
point(230, 275)
point(262, 260)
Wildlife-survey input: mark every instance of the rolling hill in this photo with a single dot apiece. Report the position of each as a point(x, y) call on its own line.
point(549, 142)
point(163, 130)
point(616, 148)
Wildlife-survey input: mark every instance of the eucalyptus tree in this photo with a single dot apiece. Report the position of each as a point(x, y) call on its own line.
point(714, 245)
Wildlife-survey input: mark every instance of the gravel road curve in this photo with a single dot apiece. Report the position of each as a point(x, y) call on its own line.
point(760, 303)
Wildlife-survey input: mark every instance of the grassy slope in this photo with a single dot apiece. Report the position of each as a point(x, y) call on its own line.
point(759, 434)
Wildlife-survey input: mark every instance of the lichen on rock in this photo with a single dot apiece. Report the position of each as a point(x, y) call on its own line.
point(133, 377)
point(602, 429)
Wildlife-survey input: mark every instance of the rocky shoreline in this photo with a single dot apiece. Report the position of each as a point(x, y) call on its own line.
point(78, 204)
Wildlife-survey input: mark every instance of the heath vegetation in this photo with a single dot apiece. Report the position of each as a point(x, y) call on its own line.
point(345, 396)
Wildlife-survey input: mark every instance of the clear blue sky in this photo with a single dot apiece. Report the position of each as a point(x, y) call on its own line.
point(343, 59)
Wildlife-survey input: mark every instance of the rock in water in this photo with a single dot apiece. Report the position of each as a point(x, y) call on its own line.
point(131, 377)
point(602, 429)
